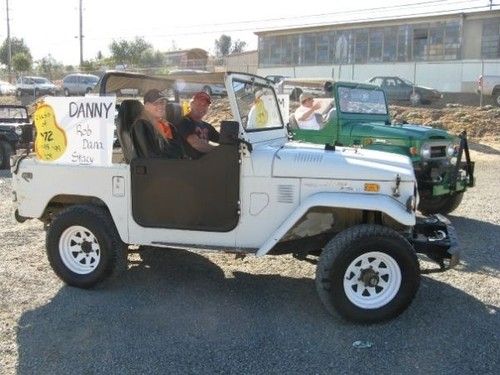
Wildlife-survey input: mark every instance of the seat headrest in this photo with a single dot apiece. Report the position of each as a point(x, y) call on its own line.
point(173, 113)
point(129, 110)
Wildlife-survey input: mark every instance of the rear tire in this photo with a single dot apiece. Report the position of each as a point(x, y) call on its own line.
point(83, 246)
point(5, 153)
point(441, 204)
point(367, 274)
point(496, 98)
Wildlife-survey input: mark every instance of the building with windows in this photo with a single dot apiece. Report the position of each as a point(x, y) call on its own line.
point(448, 52)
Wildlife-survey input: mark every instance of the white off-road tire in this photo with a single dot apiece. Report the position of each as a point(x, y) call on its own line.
point(83, 246)
point(367, 274)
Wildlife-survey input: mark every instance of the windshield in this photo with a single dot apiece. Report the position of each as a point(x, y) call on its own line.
point(40, 80)
point(360, 100)
point(13, 113)
point(407, 82)
point(257, 106)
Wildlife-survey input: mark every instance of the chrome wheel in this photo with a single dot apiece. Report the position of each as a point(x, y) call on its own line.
point(372, 280)
point(79, 250)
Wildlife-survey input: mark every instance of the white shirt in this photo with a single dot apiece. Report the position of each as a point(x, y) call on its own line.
point(309, 123)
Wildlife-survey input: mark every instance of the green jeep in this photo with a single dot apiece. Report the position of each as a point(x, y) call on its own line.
point(358, 116)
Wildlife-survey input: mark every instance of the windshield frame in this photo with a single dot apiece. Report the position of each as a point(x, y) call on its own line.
point(275, 100)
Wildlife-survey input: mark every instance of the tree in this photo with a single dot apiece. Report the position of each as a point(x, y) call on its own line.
point(17, 46)
point(21, 62)
point(128, 52)
point(152, 58)
point(238, 46)
point(223, 45)
point(49, 67)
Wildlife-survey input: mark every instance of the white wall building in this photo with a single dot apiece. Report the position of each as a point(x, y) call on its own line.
point(446, 52)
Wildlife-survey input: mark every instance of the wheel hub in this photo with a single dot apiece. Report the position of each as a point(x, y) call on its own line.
point(86, 247)
point(369, 277)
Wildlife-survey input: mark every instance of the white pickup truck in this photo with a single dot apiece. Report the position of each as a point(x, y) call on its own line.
point(490, 86)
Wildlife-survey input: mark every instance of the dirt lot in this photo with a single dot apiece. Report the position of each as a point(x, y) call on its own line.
point(189, 312)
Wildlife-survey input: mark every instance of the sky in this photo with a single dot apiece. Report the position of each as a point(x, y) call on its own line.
point(51, 27)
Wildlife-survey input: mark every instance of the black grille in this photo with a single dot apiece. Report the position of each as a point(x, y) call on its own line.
point(438, 151)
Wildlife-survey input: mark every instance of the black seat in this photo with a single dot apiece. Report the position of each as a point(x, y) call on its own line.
point(173, 113)
point(128, 112)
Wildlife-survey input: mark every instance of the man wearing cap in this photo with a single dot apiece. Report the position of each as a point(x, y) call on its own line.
point(305, 115)
point(195, 132)
point(152, 135)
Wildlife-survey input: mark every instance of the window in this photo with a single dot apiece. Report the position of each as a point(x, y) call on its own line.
point(376, 43)
point(361, 48)
point(322, 45)
point(404, 43)
point(420, 40)
point(390, 43)
point(490, 43)
point(377, 81)
point(343, 47)
point(436, 41)
point(452, 40)
point(356, 100)
point(309, 49)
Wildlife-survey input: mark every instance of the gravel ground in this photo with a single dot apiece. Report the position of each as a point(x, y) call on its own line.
point(189, 312)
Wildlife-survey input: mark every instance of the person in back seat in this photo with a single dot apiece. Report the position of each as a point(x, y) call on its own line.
point(195, 132)
point(152, 135)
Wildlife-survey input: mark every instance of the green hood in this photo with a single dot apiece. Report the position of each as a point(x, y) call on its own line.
point(399, 131)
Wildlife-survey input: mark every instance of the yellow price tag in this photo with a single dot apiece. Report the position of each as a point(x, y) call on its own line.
point(50, 142)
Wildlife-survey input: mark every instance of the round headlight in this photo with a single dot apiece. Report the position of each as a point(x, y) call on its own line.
point(451, 150)
point(425, 151)
point(19, 130)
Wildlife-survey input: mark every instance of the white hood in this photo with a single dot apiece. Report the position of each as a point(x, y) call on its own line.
point(305, 160)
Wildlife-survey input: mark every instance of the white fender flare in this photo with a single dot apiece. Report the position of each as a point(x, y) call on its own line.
point(382, 203)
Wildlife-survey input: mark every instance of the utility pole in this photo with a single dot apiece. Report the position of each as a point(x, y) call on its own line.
point(9, 45)
point(81, 35)
point(491, 4)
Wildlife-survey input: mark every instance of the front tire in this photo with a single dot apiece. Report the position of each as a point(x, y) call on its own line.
point(367, 274)
point(496, 98)
point(83, 246)
point(207, 90)
point(441, 204)
point(66, 92)
point(415, 98)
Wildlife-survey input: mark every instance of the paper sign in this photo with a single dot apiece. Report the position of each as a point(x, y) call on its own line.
point(75, 130)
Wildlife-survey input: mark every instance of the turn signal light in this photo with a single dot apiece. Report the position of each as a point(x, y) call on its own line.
point(373, 188)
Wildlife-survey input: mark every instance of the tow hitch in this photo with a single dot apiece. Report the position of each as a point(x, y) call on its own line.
point(436, 237)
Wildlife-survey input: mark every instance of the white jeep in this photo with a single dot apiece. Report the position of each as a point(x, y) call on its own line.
point(256, 193)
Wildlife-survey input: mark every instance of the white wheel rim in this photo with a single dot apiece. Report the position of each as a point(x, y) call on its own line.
point(79, 250)
point(384, 280)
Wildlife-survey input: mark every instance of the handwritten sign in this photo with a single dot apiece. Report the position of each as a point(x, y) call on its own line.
point(75, 130)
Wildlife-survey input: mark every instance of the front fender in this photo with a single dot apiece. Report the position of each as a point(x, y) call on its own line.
point(382, 203)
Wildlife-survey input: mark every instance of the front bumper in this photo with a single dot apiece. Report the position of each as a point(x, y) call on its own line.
point(436, 237)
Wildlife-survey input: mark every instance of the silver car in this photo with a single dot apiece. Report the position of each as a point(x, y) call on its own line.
point(35, 86)
point(79, 84)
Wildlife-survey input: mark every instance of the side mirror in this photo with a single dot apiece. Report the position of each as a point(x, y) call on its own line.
point(229, 132)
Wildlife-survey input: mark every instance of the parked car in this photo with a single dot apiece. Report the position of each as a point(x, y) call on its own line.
point(186, 84)
point(296, 86)
point(360, 117)
point(35, 86)
point(7, 89)
point(15, 131)
point(79, 84)
point(400, 89)
point(490, 86)
point(257, 193)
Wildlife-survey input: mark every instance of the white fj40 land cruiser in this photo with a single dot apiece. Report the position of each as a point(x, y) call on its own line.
point(256, 193)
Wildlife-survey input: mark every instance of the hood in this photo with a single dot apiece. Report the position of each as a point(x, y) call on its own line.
point(398, 131)
point(46, 85)
point(313, 161)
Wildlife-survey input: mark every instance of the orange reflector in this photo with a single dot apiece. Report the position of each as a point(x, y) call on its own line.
point(413, 151)
point(374, 188)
